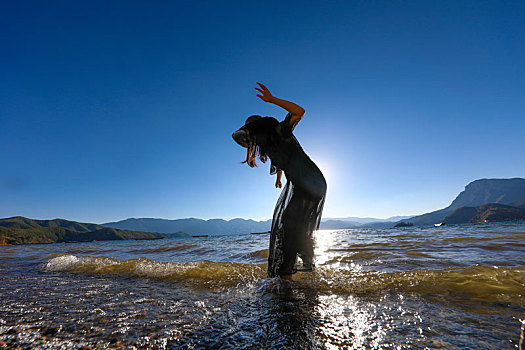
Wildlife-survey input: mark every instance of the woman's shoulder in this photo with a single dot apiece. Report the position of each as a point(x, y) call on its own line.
point(287, 124)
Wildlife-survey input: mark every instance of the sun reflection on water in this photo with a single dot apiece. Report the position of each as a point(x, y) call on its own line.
point(324, 240)
point(348, 323)
point(330, 252)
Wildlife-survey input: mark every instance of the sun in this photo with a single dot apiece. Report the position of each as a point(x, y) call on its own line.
point(327, 169)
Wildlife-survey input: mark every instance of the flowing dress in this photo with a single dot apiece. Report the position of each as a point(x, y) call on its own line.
point(298, 210)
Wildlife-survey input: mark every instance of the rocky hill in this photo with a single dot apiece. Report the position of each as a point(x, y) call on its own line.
point(484, 191)
point(21, 230)
point(476, 193)
point(485, 213)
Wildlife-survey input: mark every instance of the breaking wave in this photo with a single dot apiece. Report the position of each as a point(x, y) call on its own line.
point(201, 272)
point(483, 283)
point(479, 282)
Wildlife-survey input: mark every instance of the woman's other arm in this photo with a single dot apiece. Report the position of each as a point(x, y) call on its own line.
point(296, 110)
point(278, 183)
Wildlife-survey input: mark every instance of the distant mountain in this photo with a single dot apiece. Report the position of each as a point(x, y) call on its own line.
point(479, 192)
point(361, 221)
point(398, 218)
point(337, 225)
point(403, 224)
point(476, 193)
point(21, 230)
point(381, 224)
point(193, 226)
point(518, 204)
point(431, 218)
point(485, 213)
point(175, 234)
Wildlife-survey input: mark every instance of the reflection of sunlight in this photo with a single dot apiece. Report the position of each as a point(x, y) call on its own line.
point(331, 251)
point(324, 240)
point(348, 324)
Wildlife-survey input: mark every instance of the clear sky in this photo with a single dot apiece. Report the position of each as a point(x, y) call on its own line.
point(117, 109)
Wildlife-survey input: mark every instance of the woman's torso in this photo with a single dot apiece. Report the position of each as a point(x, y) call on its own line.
point(287, 154)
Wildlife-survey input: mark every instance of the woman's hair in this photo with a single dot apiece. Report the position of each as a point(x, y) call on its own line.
point(252, 152)
point(261, 134)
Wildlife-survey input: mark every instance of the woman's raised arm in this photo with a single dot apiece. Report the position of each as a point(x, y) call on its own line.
point(296, 110)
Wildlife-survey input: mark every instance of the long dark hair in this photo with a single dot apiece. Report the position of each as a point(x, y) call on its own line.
point(261, 135)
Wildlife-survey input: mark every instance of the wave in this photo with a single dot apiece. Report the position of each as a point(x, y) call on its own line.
point(480, 282)
point(164, 249)
point(417, 254)
point(202, 272)
point(263, 253)
point(483, 283)
point(519, 237)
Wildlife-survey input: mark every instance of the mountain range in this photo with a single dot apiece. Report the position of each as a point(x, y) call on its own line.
point(477, 193)
point(484, 200)
point(195, 226)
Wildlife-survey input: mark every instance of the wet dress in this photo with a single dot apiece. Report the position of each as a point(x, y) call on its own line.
point(298, 210)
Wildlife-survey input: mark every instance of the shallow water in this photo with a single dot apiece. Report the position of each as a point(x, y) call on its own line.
point(439, 287)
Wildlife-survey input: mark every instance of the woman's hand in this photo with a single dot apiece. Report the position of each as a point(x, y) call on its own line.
point(278, 183)
point(265, 95)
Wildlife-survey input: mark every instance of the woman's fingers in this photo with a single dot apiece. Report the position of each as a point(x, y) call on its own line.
point(263, 87)
point(265, 93)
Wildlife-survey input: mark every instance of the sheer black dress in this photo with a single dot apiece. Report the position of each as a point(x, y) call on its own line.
point(298, 210)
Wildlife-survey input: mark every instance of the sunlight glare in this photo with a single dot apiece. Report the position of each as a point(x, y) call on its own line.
point(324, 240)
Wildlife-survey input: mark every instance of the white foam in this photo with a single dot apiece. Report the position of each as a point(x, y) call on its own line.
point(62, 263)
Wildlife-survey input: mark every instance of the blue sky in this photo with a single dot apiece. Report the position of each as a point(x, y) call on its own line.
point(117, 109)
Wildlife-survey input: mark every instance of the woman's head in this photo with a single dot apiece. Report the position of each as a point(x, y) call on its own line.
point(241, 136)
point(256, 134)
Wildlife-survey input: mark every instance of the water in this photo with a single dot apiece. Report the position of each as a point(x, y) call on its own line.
point(451, 287)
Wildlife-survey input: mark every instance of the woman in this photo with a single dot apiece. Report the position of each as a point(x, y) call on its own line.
point(298, 211)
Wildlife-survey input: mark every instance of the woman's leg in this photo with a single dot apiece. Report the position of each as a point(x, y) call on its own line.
point(294, 221)
point(305, 240)
point(312, 192)
point(292, 226)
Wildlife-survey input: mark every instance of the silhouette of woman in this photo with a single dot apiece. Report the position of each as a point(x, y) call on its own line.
point(298, 210)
